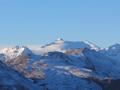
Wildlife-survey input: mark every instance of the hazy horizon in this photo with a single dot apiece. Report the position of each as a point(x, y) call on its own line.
point(28, 22)
point(42, 44)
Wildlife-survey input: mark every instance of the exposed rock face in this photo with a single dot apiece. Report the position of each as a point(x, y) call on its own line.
point(12, 80)
point(74, 51)
point(24, 65)
point(19, 63)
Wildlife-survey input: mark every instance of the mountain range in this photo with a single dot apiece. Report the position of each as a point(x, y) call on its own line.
point(60, 65)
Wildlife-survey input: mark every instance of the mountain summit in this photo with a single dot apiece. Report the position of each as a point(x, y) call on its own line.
point(16, 51)
point(62, 45)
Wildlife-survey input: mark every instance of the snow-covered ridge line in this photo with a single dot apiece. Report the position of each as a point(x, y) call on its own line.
point(58, 45)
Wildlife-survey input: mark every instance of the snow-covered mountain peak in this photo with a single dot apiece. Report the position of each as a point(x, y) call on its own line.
point(16, 51)
point(112, 51)
point(61, 45)
point(115, 47)
point(59, 40)
point(92, 45)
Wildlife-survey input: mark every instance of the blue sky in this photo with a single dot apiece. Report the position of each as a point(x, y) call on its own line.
point(36, 22)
